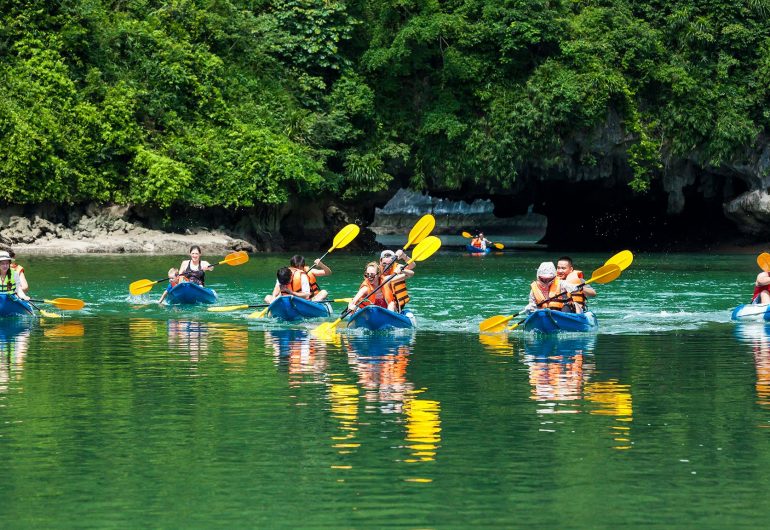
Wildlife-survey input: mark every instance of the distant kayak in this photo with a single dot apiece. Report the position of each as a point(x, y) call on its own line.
point(549, 321)
point(11, 305)
point(477, 250)
point(191, 293)
point(751, 312)
point(378, 318)
point(293, 308)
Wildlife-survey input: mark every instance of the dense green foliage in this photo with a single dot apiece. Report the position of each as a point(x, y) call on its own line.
point(239, 103)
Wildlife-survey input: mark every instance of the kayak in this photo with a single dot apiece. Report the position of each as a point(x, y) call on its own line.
point(191, 293)
point(292, 308)
point(11, 305)
point(751, 312)
point(377, 318)
point(549, 321)
point(477, 250)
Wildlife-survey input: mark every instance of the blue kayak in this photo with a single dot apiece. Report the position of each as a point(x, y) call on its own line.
point(191, 293)
point(11, 305)
point(377, 318)
point(549, 321)
point(477, 250)
point(751, 312)
point(293, 308)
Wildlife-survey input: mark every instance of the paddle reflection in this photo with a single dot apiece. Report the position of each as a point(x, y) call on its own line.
point(14, 343)
point(558, 369)
point(299, 353)
point(496, 343)
point(611, 398)
point(65, 330)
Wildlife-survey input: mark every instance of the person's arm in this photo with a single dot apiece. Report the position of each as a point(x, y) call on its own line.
point(163, 296)
point(589, 291)
point(763, 278)
point(206, 266)
point(357, 298)
point(20, 292)
point(320, 269)
point(304, 291)
point(407, 271)
point(183, 268)
point(22, 280)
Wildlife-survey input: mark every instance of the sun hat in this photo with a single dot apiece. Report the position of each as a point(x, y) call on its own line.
point(4, 256)
point(546, 270)
point(387, 254)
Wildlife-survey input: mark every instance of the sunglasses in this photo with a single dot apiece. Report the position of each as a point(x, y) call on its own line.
point(369, 275)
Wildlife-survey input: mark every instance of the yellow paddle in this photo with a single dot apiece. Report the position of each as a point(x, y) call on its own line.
point(498, 246)
point(763, 260)
point(604, 274)
point(343, 237)
point(227, 308)
point(43, 312)
point(425, 249)
point(143, 286)
point(624, 258)
point(66, 304)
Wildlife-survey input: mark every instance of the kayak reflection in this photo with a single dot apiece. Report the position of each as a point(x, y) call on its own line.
point(757, 334)
point(14, 343)
point(298, 352)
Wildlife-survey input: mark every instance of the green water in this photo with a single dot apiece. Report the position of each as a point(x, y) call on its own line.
point(132, 415)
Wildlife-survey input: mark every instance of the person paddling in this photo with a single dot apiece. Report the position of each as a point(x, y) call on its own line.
point(480, 241)
point(300, 272)
point(572, 278)
point(173, 281)
point(9, 279)
point(761, 289)
point(547, 285)
point(395, 291)
point(368, 286)
point(194, 269)
point(19, 270)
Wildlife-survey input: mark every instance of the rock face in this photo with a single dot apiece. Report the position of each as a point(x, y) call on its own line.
point(406, 207)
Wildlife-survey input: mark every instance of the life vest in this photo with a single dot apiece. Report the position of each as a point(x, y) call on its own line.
point(395, 290)
point(8, 284)
point(554, 289)
point(476, 242)
point(17, 268)
point(296, 280)
point(194, 275)
point(372, 297)
point(576, 278)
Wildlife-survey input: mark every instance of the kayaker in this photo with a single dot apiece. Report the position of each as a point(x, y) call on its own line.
point(9, 279)
point(761, 289)
point(19, 270)
point(173, 280)
point(480, 241)
point(194, 269)
point(283, 285)
point(547, 285)
point(371, 283)
point(300, 270)
point(566, 272)
point(395, 291)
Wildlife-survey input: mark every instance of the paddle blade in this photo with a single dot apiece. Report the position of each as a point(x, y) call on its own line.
point(467, 235)
point(495, 323)
point(763, 260)
point(225, 308)
point(258, 314)
point(67, 304)
point(421, 229)
point(605, 274)
point(425, 248)
point(624, 258)
point(498, 246)
point(326, 328)
point(235, 258)
point(141, 286)
point(342, 300)
point(48, 314)
point(345, 236)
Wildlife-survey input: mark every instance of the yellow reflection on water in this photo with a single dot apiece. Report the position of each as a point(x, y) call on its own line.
point(423, 429)
point(70, 329)
point(344, 409)
point(613, 399)
point(496, 343)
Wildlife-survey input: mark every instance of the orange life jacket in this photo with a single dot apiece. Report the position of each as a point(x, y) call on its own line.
point(395, 290)
point(296, 280)
point(576, 278)
point(476, 242)
point(18, 268)
point(554, 289)
point(372, 297)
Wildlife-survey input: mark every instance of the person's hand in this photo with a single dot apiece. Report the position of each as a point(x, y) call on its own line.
point(399, 254)
point(317, 262)
point(529, 308)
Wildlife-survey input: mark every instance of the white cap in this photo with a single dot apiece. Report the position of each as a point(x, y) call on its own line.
point(4, 256)
point(387, 254)
point(546, 270)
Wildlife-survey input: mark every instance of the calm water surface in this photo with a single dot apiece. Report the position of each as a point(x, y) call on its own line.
point(132, 415)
